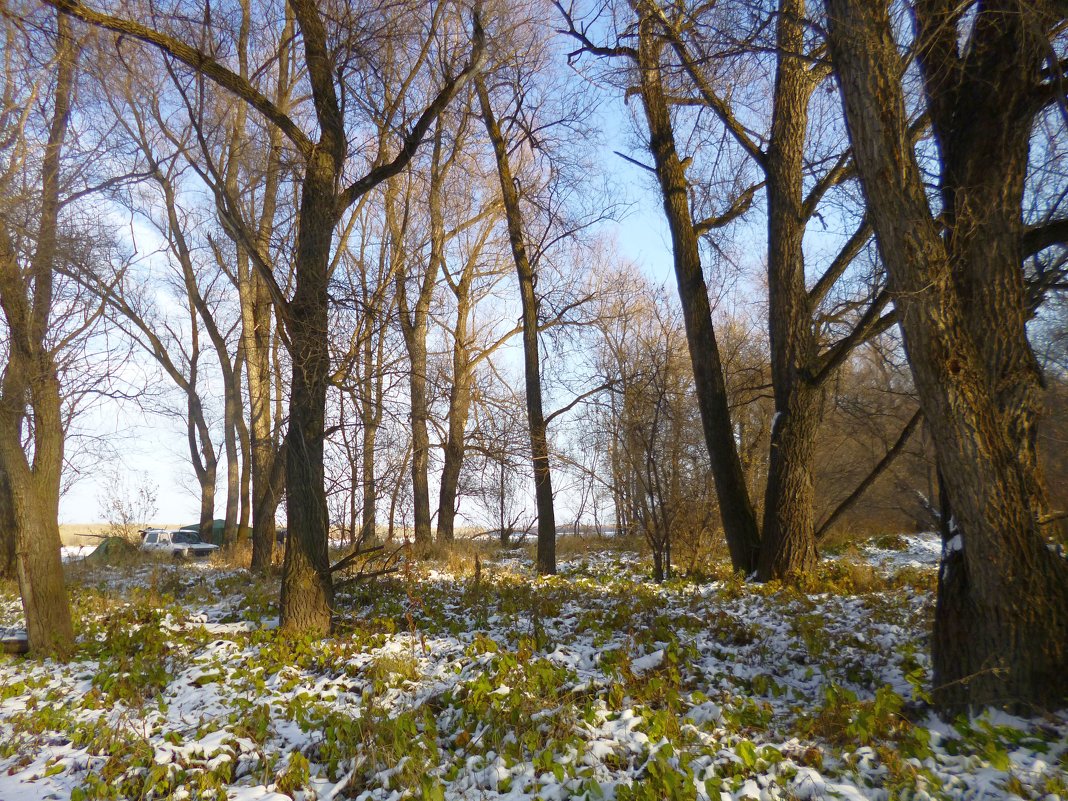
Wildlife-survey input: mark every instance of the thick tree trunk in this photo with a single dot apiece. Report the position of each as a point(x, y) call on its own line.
point(736, 508)
point(788, 545)
point(307, 590)
point(35, 500)
point(30, 380)
point(788, 549)
point(207, 505)
point(981, 205)
point(1001, 629)
point(539, 440)
point(40, 571)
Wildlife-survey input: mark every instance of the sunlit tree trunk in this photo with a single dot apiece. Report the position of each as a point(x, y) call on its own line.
point(788, 544)
point(736, 508)
point(30, 392)
point(539, 440)
point(1001, 623)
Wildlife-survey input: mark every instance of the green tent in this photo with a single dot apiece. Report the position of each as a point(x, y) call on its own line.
point(111, 551)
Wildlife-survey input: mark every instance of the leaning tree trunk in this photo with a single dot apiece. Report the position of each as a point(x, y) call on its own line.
point(788, 545)
point(736, 508)
point(459, 404)
point(539, 440)
point(1001, 624)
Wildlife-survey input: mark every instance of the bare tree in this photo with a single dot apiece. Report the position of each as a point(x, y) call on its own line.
point(31, 419)
point(676, 69)
point(327, 190)
point(539, 439)
point(1001, 626)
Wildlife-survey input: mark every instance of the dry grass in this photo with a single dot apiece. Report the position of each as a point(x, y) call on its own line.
point(82, 533)
point(842, 537)
point(458, 556)
point(570, 545)
point(236, 555)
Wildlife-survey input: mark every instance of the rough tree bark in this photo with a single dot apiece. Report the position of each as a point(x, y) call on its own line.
point(414, 323)
point(372, 402)
point(1001, 623)
point(736, 507)
point(539, 441)
point(31, 384)
point(459, 406)
point(788, 545)
point(325, 193)
point(7, 530)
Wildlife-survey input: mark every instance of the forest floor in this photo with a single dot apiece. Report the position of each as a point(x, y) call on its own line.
point(442, 682)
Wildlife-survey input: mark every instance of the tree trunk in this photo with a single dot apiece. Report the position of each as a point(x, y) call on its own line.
point(539, 440)
point(736, 508)
point(307, 591)
point(245, 444)
point(1001, 624)
point(459, 409)
point(201, 453)
point(35, 500)
point(788, 546)
point(30, 380)
point(505, 530)
point(414, 325)
point(40, 568)
point(420, 440)
point(982, 206)
point(371, 406)
point(7, 529)
point(232, 408)
point(262, 445)
point(256, 326)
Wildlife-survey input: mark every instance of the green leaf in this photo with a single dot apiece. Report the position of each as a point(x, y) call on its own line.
point(746, 751)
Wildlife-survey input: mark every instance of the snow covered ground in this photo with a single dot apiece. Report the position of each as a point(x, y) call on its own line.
point(593, 684)
point(71, 553)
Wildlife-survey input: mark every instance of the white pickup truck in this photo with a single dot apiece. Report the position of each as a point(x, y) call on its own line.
point(182, 544)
